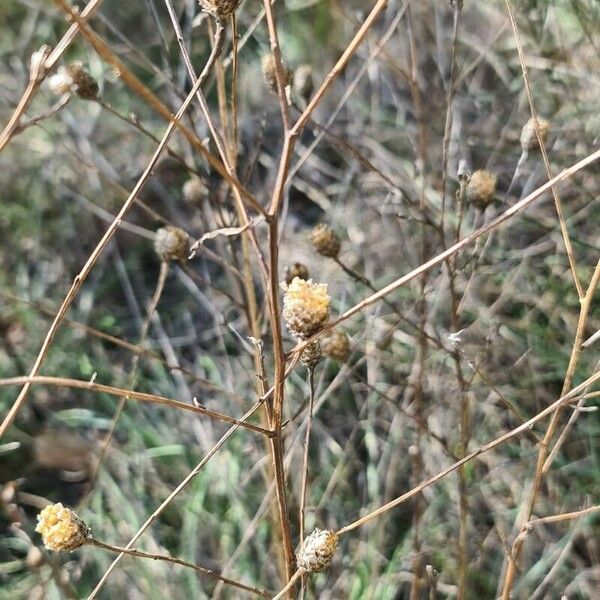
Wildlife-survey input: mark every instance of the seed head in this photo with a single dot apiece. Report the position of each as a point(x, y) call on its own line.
point(194, 190)
point(311, 356)
point(73, 78)
point(220, 9)
point(303, 82)
point(336, 346)
point(325, 241)
point(61, 82)
point(481, 189)
point(305, 307)
point(171, 243)
point(61, 528)
point(317, 550)
point(86, 86)
point(295, 270)
point(529, 140)
point(269, 69)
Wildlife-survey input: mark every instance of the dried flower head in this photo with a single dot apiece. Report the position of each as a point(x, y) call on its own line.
point(295, 270)
point(73, 78)
point(194, 190)
point(325, 241)
point(86, 86)
point(171, 243)
point(481, 189)
point(529, 140)
point(61, 82)
point(336, 346)
point(305, 307)
point(303, 82)
point(61, 528)
point(311, 356)
point(37, 63)
point(317, 550)
point(269, 69)
point(220, 9)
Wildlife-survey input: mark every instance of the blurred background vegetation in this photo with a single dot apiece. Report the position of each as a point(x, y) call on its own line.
point(64, 179)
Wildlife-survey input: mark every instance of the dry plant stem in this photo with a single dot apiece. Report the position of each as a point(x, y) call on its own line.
point(158, 290)
point(443, 256)
point(172, 495)
point(447, 132)
point(559, 209)
point(184, 563)
point(289, 585)
point(562, 401)
point(133, 395)
point(116, 341)
point(45, 115)
point(564, 516)
point(304, 484)
point(528, 505)
point(12, 127)
point(108, 235)
point(133, 82)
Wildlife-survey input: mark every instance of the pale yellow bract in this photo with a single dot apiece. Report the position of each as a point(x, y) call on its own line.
point(305, 306)
point(61, 528)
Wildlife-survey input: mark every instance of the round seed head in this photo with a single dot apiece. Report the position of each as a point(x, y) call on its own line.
point(336, 346)
point(61, 528)
point(220, 9)
point(61, 82)
point(305, 307)
point(194, 190)
point(171, 243)
point(325, 241)
point(529, 140)
point(481, 189)
point(303, 82)
point(269, 69)
point(86, 86)
point(311, 356)
point(295, 270)
point(317, 550)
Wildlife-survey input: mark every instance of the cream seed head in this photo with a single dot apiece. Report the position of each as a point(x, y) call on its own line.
point(529, 139)
point(295, 270)
point(73, 78)
point(269, 70)
point(194, 190)
point(481, 189)
point(325, 241)
point(336, 346)
point(317, 550)
point(220, 9)
point(61, 82)
point(61, 528)
point(305, 307)
point(171, 243)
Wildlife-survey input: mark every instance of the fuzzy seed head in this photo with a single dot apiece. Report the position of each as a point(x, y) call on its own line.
point(220, 9)
point(269, 69)
point(295, 270)
point(481, 189)
point(317, 550)
point(171, 243)
point(325, 241)
point(311, 356)
point(86, 86)
point(194, 190)
point(61, 528)
point(336, 346)
point(305, 307)
point(303, 83)
point(529, 140)
point(61, 82)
